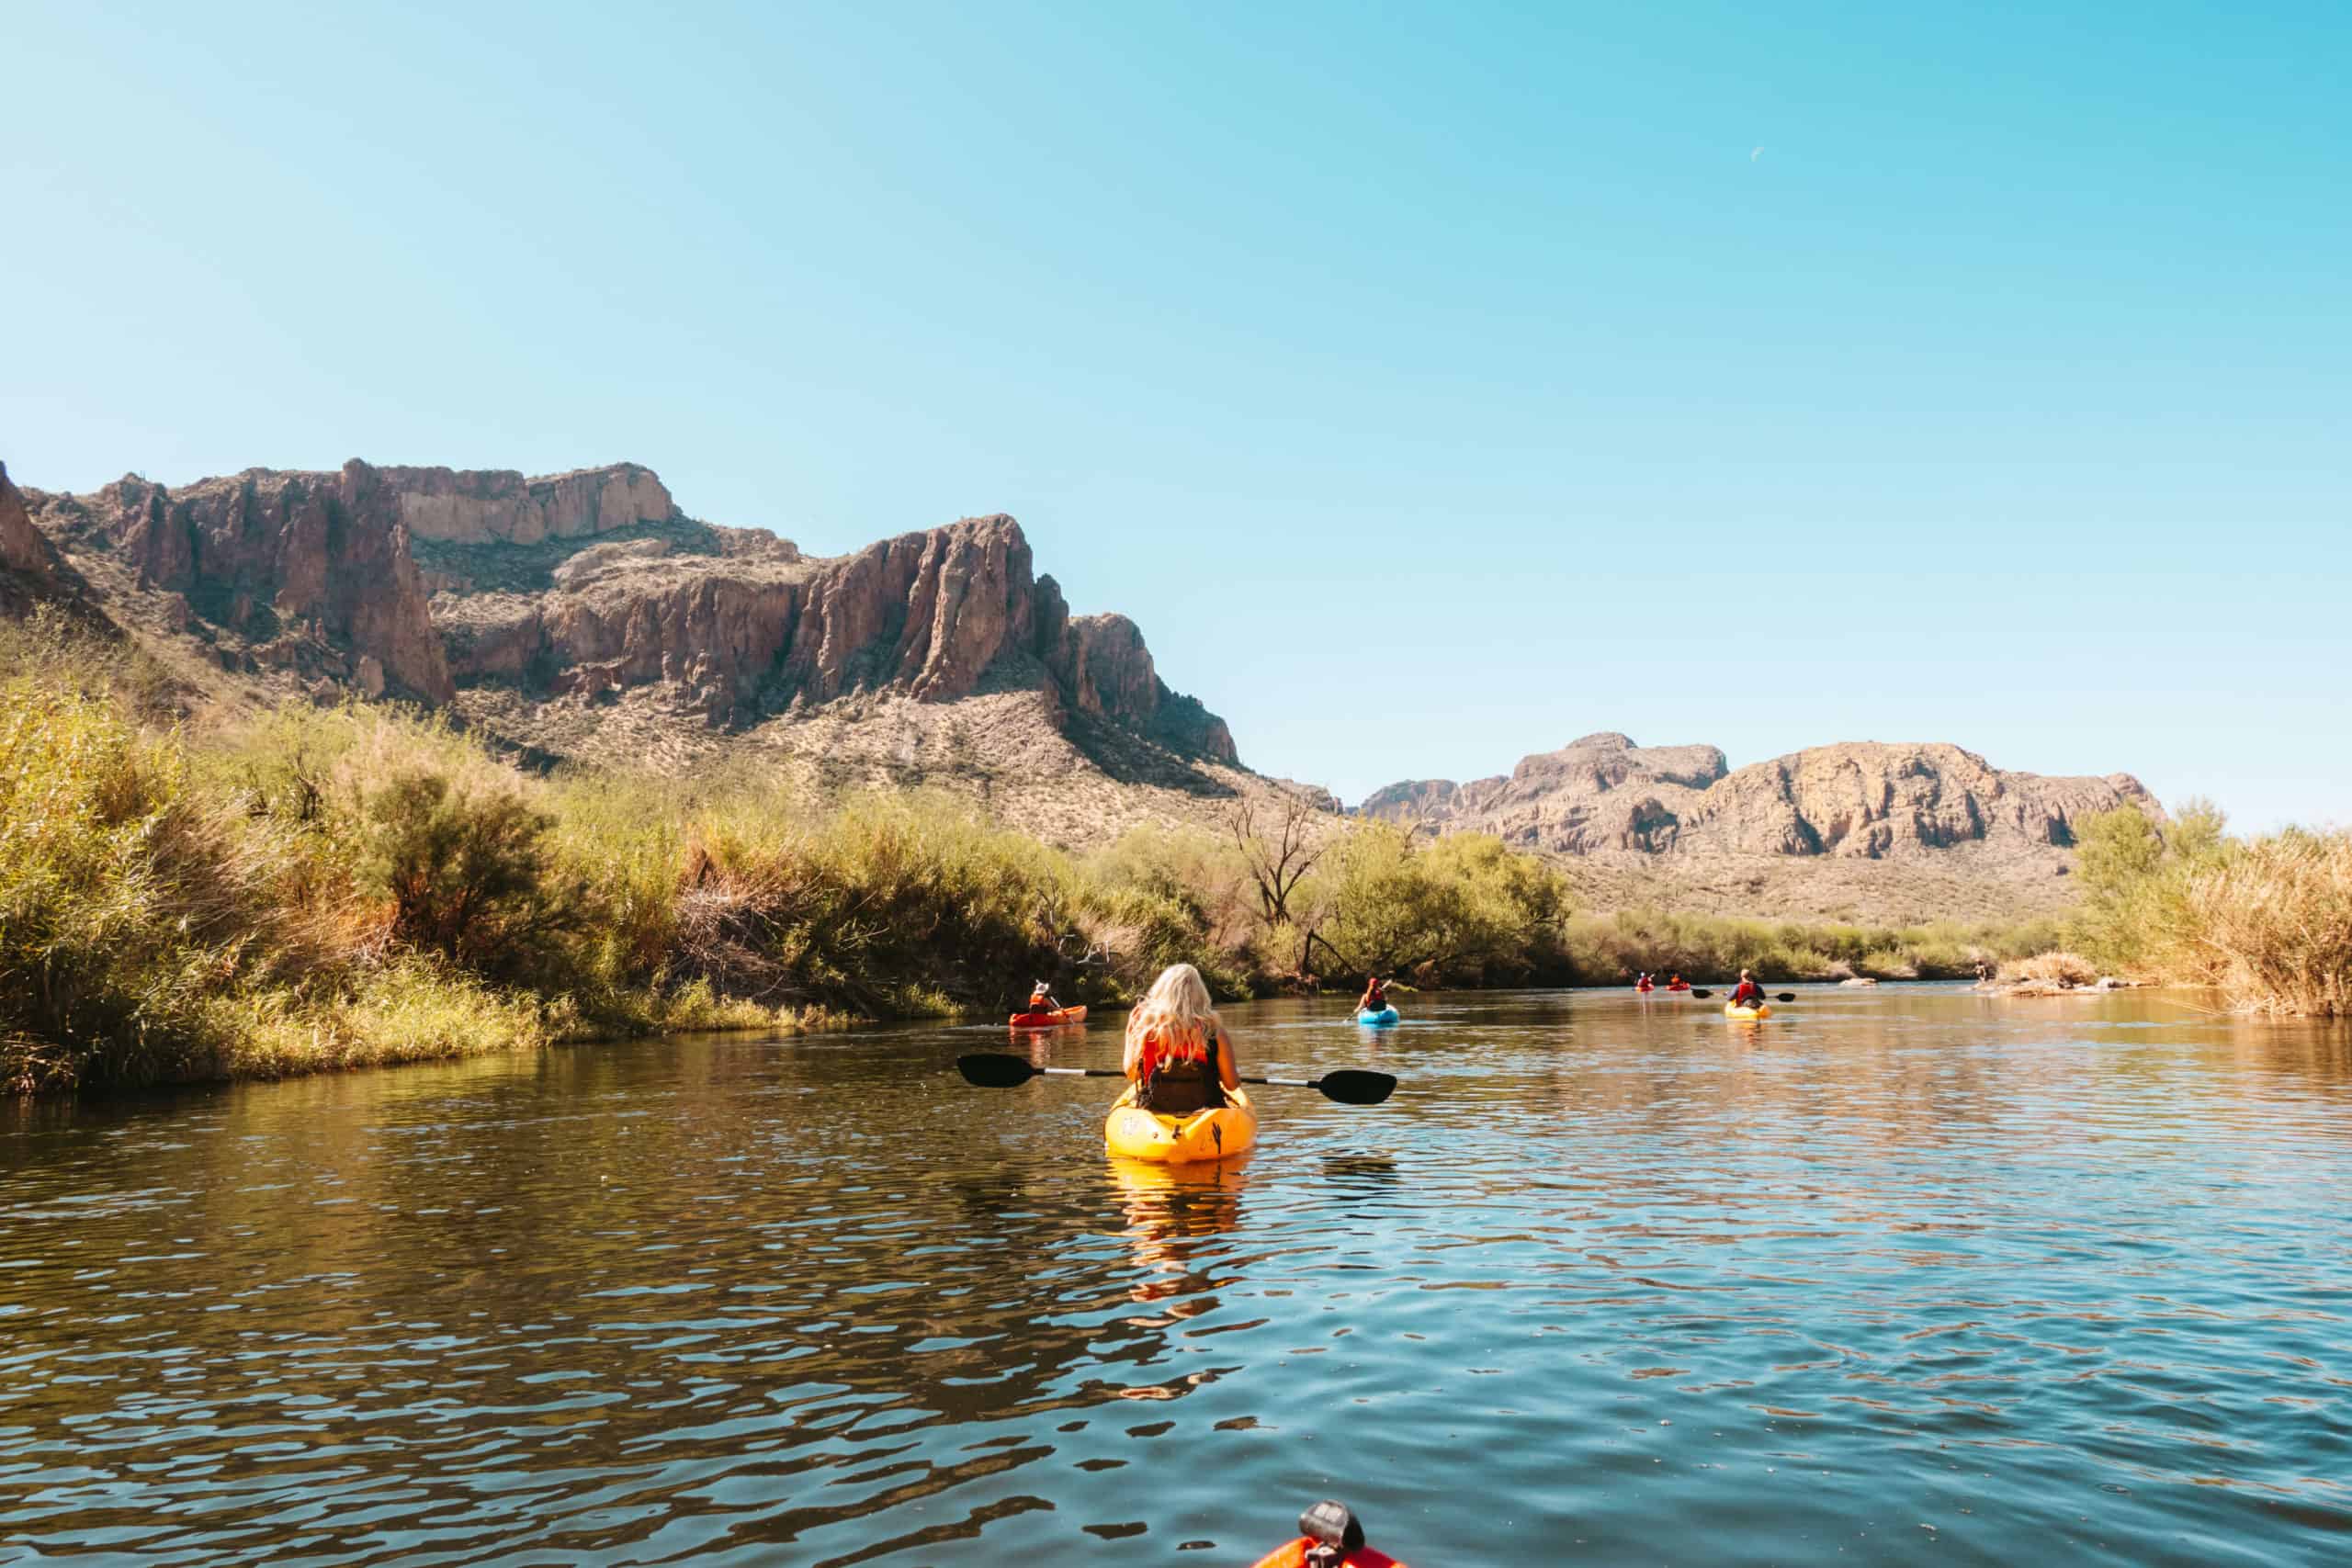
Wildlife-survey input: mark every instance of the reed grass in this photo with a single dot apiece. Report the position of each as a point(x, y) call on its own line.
point(2272, 924)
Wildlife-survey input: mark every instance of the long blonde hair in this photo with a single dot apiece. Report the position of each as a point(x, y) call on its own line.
point(1173, 1020)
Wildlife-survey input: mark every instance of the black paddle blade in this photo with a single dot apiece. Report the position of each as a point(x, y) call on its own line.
point(993, 1069)
point(1354, 1085)
point(1700, 991)
point(1785, 997)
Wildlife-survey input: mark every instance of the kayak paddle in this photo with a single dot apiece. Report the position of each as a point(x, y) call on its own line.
point(1348, 1086)
point(1778, 996)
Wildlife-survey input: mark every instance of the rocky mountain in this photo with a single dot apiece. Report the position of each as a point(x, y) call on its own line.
point(27, 560)
point(1682, 815)
point(585, 614)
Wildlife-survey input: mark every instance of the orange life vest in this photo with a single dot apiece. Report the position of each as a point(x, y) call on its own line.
point(1157, 1055)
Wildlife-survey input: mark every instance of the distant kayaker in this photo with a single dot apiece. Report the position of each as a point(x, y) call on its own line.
point(1041, 999)
point(1748, 992)
point(1375, 994)
point(1676, 983)
point(1645, 983)
point(1179, 1056)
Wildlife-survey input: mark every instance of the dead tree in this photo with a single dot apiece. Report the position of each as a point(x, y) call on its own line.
point(1278, 852)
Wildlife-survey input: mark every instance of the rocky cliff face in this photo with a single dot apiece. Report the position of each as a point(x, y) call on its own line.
point(1604, 795)
point(1600, 792)
point(305, 571)
point(1871, 801)
point(931, 615)
point(503, 507)
point(426, 581)
point(23, 551)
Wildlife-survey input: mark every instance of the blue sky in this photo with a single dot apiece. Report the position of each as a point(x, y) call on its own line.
point(1432, 384)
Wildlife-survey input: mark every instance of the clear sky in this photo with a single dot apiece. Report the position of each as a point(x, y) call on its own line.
point(1433, 384)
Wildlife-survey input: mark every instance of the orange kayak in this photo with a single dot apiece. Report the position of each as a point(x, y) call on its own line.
point(1048, 1020)
point(1329, 1527)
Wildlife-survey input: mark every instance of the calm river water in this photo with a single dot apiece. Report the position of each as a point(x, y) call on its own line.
point(1905, 1276)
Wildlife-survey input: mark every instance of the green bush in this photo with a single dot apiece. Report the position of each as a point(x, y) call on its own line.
point(467, 873)
point(2135, 875)
point(1466, 910)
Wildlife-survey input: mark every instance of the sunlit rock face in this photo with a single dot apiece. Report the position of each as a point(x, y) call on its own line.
point(1862, 799)
point(424, 581)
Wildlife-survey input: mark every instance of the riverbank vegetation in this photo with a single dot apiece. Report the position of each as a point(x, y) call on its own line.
point(2266, 920)
point(325, 888)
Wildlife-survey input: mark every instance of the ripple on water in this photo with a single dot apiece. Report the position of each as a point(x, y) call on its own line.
point(1606, 1282)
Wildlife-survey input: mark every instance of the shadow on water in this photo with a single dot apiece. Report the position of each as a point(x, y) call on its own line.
point(1903, 1271)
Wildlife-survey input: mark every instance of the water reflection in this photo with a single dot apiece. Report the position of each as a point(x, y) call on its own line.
point(1175, 1214)
point(1607, 1281)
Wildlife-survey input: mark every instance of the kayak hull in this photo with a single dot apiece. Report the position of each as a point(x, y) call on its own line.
point(1380, 1020)
point(1295, 1556)
point(1748, 1014)
point(1220, 1133)
point(1058, 1020)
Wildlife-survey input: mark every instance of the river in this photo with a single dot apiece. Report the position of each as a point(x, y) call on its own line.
point(1902, 1276)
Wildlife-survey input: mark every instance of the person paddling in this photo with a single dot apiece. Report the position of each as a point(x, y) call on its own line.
point(1676, 983)
point(1645, 983)
point(1375, 994)
point(1178, 1054)
point(1041, 1001)
point(1748, 992)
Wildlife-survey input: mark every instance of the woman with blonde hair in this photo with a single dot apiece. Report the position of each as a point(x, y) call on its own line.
point(1179, 1055)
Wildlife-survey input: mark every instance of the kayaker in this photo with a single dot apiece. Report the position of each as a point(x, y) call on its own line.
point(1041, 999)
point(1645, 983)
point(1676, 983)
point(1179, 1056)
point(1748, 992)
point(1375, 994)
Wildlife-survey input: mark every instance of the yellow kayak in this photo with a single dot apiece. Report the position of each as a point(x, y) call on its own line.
point(1761, 1010)
point(1135, 1134)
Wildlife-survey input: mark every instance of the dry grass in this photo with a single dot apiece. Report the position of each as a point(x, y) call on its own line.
point(2053, 970)
point(2271, 925)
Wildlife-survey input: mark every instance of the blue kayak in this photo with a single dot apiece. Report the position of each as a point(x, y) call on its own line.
point(1380, 1020)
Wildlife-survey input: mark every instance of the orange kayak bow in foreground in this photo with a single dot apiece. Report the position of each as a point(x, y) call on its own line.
point(1330, 1537)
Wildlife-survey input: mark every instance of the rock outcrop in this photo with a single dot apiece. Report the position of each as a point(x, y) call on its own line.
point(1598, 793)
point(22, 548)
point(499, 506)
point(1871, 801)
point(931, 615)
point(307, 571)
point(423, 581)
point(1603, 794)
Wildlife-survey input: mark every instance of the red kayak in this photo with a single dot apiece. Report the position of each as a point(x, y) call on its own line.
point(1048, 1020)
point(1330, 1536)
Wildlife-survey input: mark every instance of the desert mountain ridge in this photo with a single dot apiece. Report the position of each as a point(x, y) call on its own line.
point(1682, 814)
point(584, 616)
